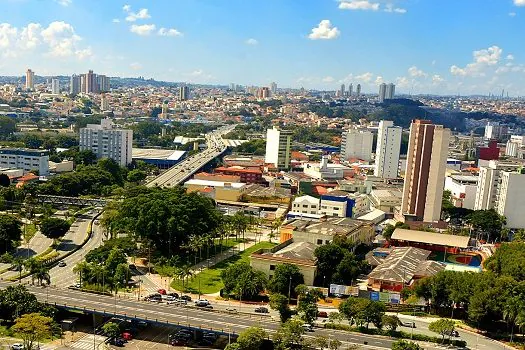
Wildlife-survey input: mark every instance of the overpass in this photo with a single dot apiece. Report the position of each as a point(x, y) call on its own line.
point(63, 200)
point(182, 171)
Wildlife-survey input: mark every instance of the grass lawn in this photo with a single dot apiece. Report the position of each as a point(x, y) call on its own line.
point(30, 231)
point(210, 279)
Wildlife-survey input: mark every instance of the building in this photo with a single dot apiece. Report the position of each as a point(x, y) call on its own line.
point(358, 90)
point(184, 93)
point(341, 204)
point(388, 148)
point(246, 175)
point(273, 88)
point(386, 199)
point(263, 92)
point(350, 90)
point(510, 196)
point(25, 159)
point(278, 148)
point(74, 84)
point(488, 181)
point(342, 90)
point(30, 80)
point(494, 130)
point(514, 146)
point(218, 190)
point(55, 86)
point(89, 83)
point(161, 158)
point(357, 144)
point(323, 232)
point(306, 205)
point(382, 92)
point(106, 141)
point(390, 91)
point(488, 152)
point(104, 103)
point(325, 170)
point(103, 83)
point(425, 172)
point(462, 190)
point(429, 240)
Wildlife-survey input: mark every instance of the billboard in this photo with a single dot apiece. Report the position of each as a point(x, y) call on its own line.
point(344, 290)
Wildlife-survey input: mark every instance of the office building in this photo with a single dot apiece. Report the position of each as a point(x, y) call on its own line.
point(74, 84)
point(382, 92)
point(342, 90)
point(30, 80)
point(358, 90)
point(357, 144)
point(425, 171)
point(350, 90)
point(390, 91)
point(488, 180)
point(184, 93)
point(106, 141)
point(388, 148)
point(278, 148)
point(103, 83)
point(55, 86)
point(273, 88)
point(25, 159)
point(510, 194)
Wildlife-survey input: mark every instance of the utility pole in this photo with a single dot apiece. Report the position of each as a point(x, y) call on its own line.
point(289, 289)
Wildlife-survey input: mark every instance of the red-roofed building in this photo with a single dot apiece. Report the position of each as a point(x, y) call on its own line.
point(217, 177)
point(246, 175)
point(29, 177)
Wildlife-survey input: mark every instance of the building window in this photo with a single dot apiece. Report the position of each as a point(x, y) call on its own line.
point(272, 267)
point(319, 241)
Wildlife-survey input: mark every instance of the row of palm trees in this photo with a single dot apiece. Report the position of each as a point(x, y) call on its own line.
point(38, 270)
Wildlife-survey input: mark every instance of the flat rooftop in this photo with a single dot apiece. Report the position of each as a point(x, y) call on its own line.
point(441, 239)
point(154, 153)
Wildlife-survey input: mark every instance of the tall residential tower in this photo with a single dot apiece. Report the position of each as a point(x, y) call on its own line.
point(387, 150)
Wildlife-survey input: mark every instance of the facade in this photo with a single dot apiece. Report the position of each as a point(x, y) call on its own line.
point(514, 146)
point(358, 90)
point(104, 104)
point(88, 82)
point(25, 159)
point(103, 83)
point(350, 90)
point(382, 92)
point(462, 189)
point(494, 130)
point(184, 93)
point(74, 84)
point(357, 144)
point(387, 150)
point(425, 171)
point(30, 80)
point(489, 152)
point(273, 88)
point(306, 205)
point(488, 181)
point(227, 191)
point(325, 170)
point(390, 91)
point(511, 198)
point(107, 142)
point(278, 148)
point(246, 175)
point(344, 205)
point(55, 86)
point(386, 199)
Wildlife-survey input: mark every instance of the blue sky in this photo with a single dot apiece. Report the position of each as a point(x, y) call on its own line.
point(424, 46)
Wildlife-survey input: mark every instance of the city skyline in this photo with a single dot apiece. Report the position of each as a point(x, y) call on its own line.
point(431, 47)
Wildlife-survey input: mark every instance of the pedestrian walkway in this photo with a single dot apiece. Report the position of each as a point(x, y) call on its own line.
point(88, 342)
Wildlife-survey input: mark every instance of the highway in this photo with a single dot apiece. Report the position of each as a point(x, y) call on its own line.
point(178, 173)
point(190, 316)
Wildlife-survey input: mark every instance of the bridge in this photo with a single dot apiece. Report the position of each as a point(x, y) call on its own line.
point(63, 200)
point(182, 171)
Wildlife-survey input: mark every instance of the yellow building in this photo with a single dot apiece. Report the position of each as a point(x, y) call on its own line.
point(218, 190)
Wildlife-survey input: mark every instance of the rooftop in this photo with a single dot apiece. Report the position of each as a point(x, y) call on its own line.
point(153, 153)
point(442, 239)
point(332, 226)
point(198, 182)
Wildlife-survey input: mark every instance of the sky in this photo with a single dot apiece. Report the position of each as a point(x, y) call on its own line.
point(423, 46)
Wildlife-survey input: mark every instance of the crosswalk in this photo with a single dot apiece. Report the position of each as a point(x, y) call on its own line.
point(89, 343)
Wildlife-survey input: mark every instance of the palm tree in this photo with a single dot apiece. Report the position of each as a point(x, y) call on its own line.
point(83, 269)
point(511, 311)
point(19, 263)
point(32, 265)
point(42, 275)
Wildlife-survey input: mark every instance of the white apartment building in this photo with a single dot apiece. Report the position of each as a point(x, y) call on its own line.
point(325, 170)
point(488, 181)
point(357, 143)
point(278, 147)
point(514, 146)
point(387, 150)
point(306, 205)
point(493, 130)
point(55, 86)
point(344, 205)
point(463, 190)
point(25, 159)
point(510, 198)
point(106, 141)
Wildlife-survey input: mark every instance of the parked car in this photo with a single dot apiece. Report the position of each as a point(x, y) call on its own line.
point(17, 346)
point(202, 302)
point(162, 291)
point(176, 295)
point(116, 341)
point(185, 297)
point(231, 309)
point(261, 310)
point(454, 333)
point(322, 314)
point(208, 307)
point(308, 327)
point(409, 324)
point(62, 264)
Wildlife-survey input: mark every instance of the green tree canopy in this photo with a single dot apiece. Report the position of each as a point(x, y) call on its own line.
point(285, 279)
point(405, 345)
point(10, 232)
point(33, 327)
point(443, 327)
point(54, 227)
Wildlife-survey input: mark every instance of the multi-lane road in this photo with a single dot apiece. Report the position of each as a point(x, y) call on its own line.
point(183, 170)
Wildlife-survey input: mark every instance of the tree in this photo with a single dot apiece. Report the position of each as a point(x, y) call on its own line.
point(336, 317)
point(279, 303)
point(7, 126)
point(509, 260)
point(352, 308)
point(391, 322)
point(405, 345)
point(251, 339)
point(32, 328)
point(10, 232)
point(328, 257)
point(307, 306)
point(373, 313)
point(111, 329)
point(289, 334)
point(136, 176)
point(4, 180)
point(286, 277)
point(54, 227)
point(389, 229)
point(243, 280)
point(519, 235)
point(488, 224)
point(443, 327)
point(348, 269)
point(334, 344)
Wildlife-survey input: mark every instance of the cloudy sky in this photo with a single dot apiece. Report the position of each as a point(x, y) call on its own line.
point(424, 46)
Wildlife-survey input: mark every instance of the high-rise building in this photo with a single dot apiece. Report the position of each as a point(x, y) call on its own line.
point(488, 181)
point(55, 86)
point(342, 90)
point(357, 144)
point(425, 171)
point(514, 146)
point(104, 103)
point(184, 93)
point(495, 131)
point(388, 148)
point(350, 90)
point(89, 83)
point(273, 88)
point(390, 91)
point(106, 141)
point(263, 92)
point(278, 147)
point(382, 92)
point(232, 86)
point(74, 84)
point(103, 83)
point(30, 80)
point(510, 195)
point(358, 90)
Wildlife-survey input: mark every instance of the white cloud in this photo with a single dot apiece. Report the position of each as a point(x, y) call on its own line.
point(366, 77)
point(359, 5)
point(8, 35)
point(199, 76)
point(115, 20)
point(415, 72)
point(64, 2)
point(512, 14)
point(251, 41)
point(169, 32)
point(135, 66)
point(519, 2)
point(143, 30)
point(324, 31)
point(379, 80)
point(391, 8)
point(30, 35)
point(328, 79)
point(403, 82)
point(133, 16)
point(482, 59)
point(62, 40)
point(510, 57)
point(436, 79)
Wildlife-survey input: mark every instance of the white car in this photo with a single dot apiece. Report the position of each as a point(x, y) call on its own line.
point(17, 346)
point(202, 302)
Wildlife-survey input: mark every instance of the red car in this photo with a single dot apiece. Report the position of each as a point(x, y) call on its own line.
point(162, 291)
point(127, 336)
point(322, 314)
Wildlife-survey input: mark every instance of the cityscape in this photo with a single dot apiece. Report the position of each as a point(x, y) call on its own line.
point(271, 198)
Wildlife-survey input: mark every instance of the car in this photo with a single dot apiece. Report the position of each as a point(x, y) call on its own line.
point(231, 309)
point(62, 264)
point(17, 346)
point(408, 324)
point(261, 310)
point(127, 336)
point(176, 302)
point(322, 314)
point(202, 302)
point(162, 291)
point(208, 307)
point(454, 333)
point(185, 297)
point(170, 298)
point(308, 327)
point(176, 295)
point(209, 335)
